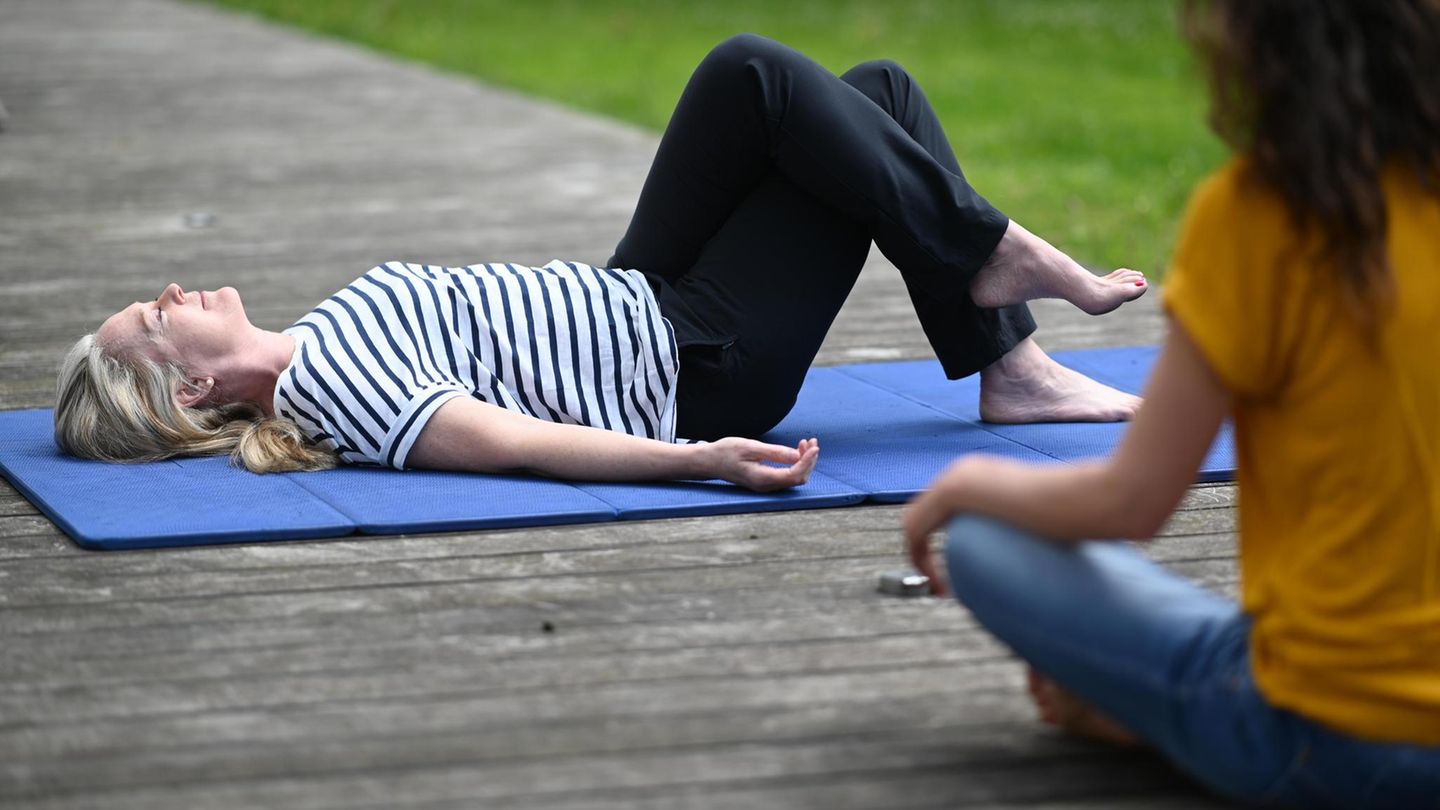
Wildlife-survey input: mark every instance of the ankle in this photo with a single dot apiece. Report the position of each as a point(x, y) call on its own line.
point(1018, 247)
point(1021, 363)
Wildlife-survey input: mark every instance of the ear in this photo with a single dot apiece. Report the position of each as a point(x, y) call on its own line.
point(193, 390)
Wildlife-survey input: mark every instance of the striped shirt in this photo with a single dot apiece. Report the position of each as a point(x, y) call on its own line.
point(565, 343)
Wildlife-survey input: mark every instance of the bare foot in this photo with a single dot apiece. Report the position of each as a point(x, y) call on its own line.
point(1025, 267)
point(1058, 707)
point(1026, 386)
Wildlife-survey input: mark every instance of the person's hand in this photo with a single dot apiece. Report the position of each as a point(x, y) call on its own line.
point(744, 462)
point(934, 508)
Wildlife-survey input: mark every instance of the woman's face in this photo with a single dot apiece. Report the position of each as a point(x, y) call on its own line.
point(197, 330)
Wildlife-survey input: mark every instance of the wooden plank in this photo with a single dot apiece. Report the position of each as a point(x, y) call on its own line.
point(575, 595)
point(342, 675)
point(880, 757)
point(13, 504)
point(917, 791)
point(814, 611)
point(914, 791)
point(386, 702)
point(158, 577)
point(25, 525)
point(309, 646)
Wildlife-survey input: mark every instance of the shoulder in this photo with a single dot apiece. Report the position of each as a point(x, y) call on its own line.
point(1236, 198)
point(1236, 222)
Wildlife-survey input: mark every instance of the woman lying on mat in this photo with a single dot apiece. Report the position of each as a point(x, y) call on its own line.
point(771, 180)
point(1303, 302)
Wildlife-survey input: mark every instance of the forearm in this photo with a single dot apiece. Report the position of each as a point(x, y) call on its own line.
point(1058, 502)
point(592, 454)
point(569, 451)
point(473, 436)
point(1127, 496)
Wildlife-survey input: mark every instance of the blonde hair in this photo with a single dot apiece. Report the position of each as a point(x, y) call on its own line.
point(122, 408)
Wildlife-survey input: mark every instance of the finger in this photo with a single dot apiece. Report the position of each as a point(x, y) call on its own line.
point(923, 559)
point(938, 585)
point(919, 522)
point(806, 464)
point(920, 519)
point(773, 478)
point(781, 454)
point(799, 472)
point(764, 478)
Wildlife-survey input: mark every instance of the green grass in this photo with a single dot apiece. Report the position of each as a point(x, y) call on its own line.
point(1083, 119)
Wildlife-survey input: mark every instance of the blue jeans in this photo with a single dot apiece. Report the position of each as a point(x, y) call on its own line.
point(1171, 662)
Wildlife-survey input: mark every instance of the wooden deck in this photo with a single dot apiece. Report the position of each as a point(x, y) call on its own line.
point(738, 661)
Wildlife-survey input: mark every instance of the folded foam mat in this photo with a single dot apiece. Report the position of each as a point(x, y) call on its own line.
point(881, 443)
point(885, 431)
point(167, 503)
point(382, 501)
point(1127, 369)
point(693, 498)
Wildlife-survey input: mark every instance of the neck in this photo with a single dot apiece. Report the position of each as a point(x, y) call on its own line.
point(254, 379)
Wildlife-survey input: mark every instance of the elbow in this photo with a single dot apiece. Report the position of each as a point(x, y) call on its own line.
point(1127, 521)
point(1144, 525)
point(506, 454)
point(1137, 511)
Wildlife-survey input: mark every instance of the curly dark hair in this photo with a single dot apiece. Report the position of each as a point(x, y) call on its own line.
point(1321, 96)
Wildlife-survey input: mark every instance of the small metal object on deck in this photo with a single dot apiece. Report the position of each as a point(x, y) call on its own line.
point(904, 583)
point(199, 219)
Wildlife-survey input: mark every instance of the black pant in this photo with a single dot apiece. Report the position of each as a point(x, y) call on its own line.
point(771, 180)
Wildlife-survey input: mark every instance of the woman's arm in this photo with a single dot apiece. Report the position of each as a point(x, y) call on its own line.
point(473, 436)
point(1127, 496)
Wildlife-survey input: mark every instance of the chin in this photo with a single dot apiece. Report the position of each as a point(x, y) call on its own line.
point(228, 300)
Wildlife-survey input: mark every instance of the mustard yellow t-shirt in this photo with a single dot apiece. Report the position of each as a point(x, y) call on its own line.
point(1338, 439)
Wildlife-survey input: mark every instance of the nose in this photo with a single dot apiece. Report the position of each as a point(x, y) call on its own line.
point(172, 293)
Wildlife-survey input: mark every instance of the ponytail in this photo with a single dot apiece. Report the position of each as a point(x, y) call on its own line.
point(123, 409)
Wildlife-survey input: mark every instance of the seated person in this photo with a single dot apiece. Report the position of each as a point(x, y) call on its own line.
point(1303, 301)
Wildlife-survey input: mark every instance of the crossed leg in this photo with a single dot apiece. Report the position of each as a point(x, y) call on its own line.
point(1022, 384)
point(759, 122)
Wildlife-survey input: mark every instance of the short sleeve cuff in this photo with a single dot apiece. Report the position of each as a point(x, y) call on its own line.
point(1211, 336)
point(412, 419)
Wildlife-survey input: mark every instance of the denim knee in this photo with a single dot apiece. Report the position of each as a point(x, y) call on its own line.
point(978, 552)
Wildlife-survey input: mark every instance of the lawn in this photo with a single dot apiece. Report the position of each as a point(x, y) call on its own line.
point(1083, 119)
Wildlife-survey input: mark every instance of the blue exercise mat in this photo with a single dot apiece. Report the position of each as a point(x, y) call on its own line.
point(168, 503)
point(1127, 369)
point(885, 431)
point(380, 501)
point(695, 498)
point(880, 442)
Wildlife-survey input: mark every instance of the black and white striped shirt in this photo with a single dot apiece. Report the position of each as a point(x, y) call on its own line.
point(565, 342)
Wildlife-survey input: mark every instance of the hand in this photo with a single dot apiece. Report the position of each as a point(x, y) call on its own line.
point(933, 508)
point(743, 462)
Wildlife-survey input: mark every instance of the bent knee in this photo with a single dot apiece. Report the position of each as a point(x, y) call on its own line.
point(875, 71)
point(738, 49)
point(879, 79)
